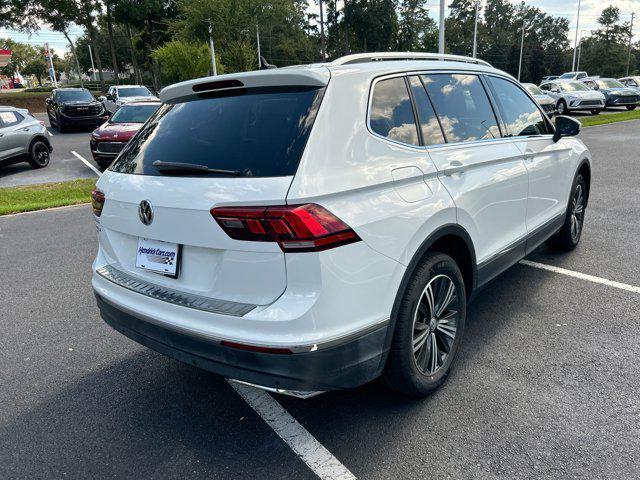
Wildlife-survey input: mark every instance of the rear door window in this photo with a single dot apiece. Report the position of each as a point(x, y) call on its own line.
point(519, 113)
point(462, 106)
point(9, 119)
point(391, 114)
point(429, 124)
point(258, 132)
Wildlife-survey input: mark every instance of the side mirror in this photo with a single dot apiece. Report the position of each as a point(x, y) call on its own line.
point(102, 98)
point(109, 97)
point(566, 127)
point(48, 101)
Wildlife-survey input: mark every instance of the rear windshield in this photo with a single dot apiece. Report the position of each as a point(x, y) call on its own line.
point(260, 132)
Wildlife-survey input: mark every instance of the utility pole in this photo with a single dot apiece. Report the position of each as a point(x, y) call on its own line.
point(213, 51)
point(575, 46)
point(580, 50)
point(441, 28)
point(93, 68)
point(258, 41)
point(475, 30)
point(322, 40)
point(630, 37)
point(521, 49)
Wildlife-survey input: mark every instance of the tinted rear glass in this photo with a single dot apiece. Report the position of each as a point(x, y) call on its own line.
point(259, 133)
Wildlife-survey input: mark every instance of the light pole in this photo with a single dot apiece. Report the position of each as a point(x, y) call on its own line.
point(322, 41)
point(630, 37)
point(521, 49)
point(441, 28)
point(575, 46)
point(475, 30)
point(213, 51)
point(580, 49)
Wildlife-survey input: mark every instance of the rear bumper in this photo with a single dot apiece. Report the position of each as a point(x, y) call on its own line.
point(344, 365)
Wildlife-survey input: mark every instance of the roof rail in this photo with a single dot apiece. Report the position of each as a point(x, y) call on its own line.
point(391, 56)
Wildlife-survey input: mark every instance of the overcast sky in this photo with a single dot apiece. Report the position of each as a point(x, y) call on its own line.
point(590, 10)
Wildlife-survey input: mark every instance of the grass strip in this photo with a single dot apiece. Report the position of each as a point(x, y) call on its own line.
point(603, 119)
point(26, 198)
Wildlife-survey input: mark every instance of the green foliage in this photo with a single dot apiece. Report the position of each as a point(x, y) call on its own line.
point(609, 42)
point(181, 60)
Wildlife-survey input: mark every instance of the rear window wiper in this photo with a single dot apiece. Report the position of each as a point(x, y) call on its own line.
point(179, 167)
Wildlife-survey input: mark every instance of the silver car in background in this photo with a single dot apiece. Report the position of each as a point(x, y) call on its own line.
point(572, 95)
point(23, 138)
point(547, 103)
point(631, 82)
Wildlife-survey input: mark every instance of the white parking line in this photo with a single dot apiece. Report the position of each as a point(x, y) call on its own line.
point(582, 276)
point(86, 162)
point(310, 451)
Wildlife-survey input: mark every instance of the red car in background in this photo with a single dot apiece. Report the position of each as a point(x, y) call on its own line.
point(110, 138)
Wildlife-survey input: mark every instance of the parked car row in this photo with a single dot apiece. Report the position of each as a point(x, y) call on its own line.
point(577, 91)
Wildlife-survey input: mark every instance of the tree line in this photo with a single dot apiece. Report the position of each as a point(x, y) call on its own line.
point(159, 42)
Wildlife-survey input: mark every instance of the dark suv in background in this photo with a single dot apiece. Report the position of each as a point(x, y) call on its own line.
point(74, 107)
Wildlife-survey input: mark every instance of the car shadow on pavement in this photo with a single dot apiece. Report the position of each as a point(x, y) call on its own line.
point(143, 417)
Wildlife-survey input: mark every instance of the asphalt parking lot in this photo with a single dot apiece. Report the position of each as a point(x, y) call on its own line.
point(546, 386)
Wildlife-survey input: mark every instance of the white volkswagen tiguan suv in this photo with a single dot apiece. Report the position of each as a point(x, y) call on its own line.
point(312, 228)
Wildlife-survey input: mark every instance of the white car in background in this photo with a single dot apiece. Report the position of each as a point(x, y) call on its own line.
point(312, 228)
point(574, 95)
point(573, 76)
point(631, 82)
point(547, 103)
point(119, 95)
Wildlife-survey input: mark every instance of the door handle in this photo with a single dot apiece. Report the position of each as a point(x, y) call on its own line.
point(454, 167)
point(529, 156)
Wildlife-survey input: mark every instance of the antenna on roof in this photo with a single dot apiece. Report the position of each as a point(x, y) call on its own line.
point(264, 65)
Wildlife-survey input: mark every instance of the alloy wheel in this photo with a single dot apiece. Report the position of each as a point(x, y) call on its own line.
point(577, 213)
point(435, 324)
point(40, 154)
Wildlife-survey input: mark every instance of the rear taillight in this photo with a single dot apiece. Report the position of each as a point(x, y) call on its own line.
point(296, 228)
point(97, 202)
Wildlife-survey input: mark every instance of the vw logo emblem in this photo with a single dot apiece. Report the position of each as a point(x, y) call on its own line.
point(145, 212)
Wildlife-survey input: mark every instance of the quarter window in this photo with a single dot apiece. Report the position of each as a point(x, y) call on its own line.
point(429, 125)
point(392, 113)
point(462, 106)
point(9, 119)
point(520, 114)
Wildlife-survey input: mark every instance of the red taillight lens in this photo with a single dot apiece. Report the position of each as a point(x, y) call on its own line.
point(296, 228)
point(255, 348)
point(97, 202)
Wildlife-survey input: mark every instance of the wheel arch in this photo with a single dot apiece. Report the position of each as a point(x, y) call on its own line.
point(447, 239)
point(584, 169)
point(40, 137)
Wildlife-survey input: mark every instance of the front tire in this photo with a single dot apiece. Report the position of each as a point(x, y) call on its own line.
point(429, 326)
point(562, 108)
point(631, 107)
point(39, 154)
point(569, 235)
point(596, 111)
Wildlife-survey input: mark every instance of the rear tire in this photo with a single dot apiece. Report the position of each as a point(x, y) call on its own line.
point(631, 107)
point(569, 235)
point(39, 154)
point(596, 111)
point(432, 313)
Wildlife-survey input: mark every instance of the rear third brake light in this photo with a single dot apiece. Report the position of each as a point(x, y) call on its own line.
point(296, 228)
